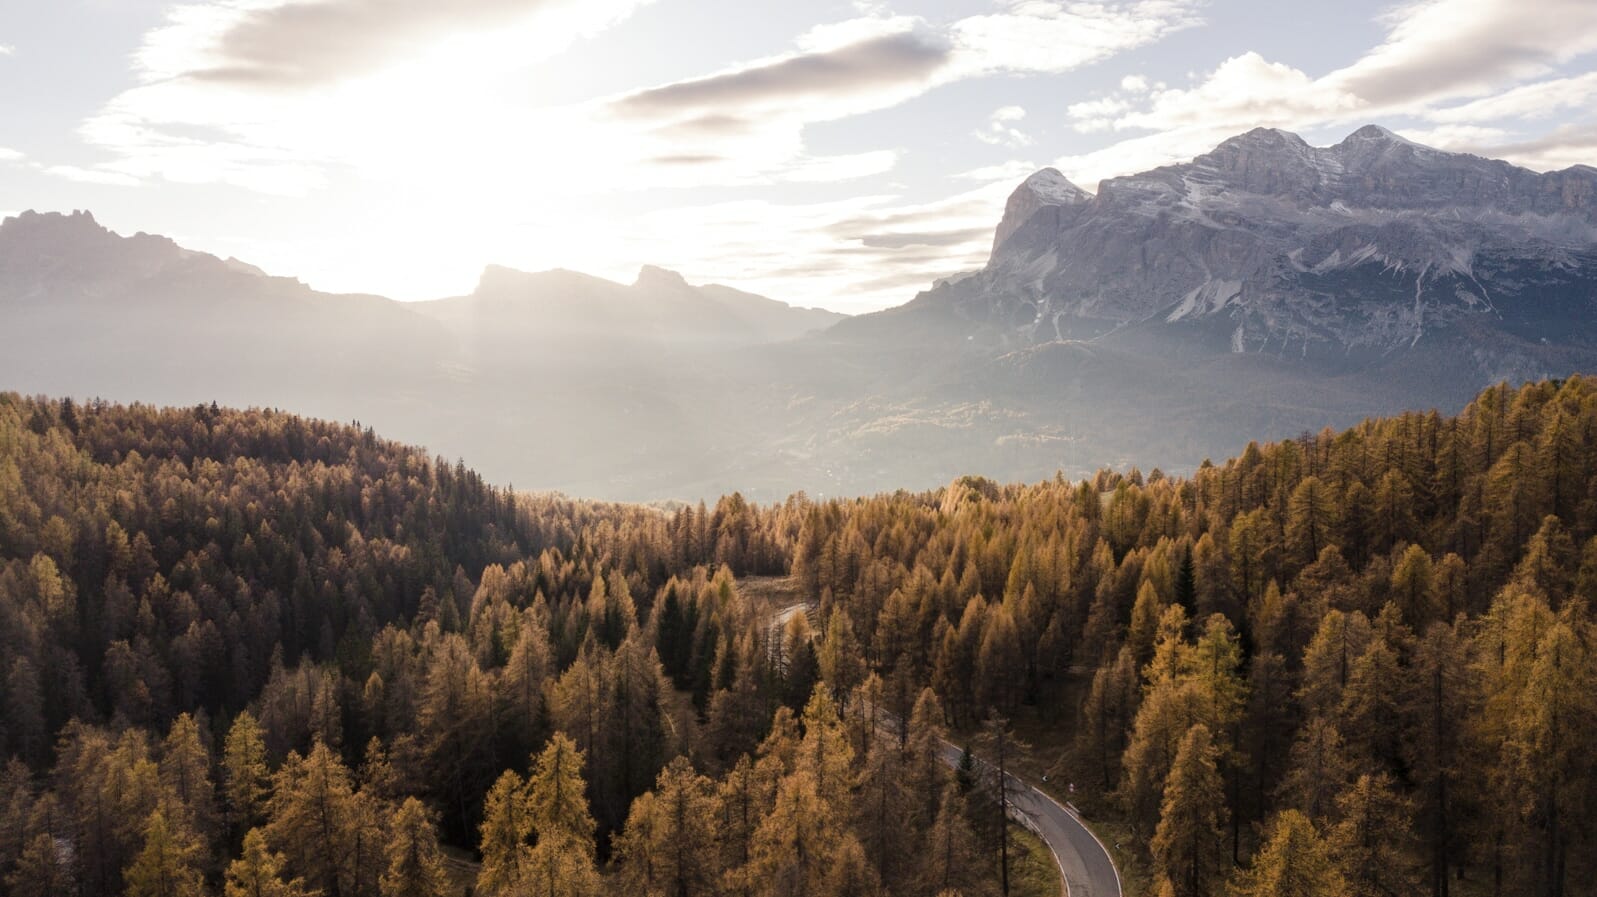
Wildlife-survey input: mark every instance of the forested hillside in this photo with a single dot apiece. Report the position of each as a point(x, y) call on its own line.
point(249, 653)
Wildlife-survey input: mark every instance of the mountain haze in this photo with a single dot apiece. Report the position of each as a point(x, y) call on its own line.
point(1265, 288)
point(659, 306)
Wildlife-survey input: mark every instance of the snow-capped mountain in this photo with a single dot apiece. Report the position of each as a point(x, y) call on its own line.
point(1268, 244)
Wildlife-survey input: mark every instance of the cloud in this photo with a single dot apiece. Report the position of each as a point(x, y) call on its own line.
point(10, 155)
point(1097, 115)
point(400, 87)
point(92, 175)
point(866, 74)
point(1456, 137)
point(754, 115)
point(286, 96)
point(935, 238)
point(1246, 89)
point(7, 50)
point(1441, 49)
point(1438, 60)
point(1001, 130)
point(856, 254)
point(291, 44)
point(1539, 99)
point(1243, 92)
point(1563, 147)
point(1041, 36)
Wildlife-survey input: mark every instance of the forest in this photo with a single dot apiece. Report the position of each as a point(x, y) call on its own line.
point(248, 653)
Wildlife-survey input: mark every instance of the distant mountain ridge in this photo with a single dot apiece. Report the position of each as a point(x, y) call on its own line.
point(45, 253)
point(660, 305)
point(1264, 288)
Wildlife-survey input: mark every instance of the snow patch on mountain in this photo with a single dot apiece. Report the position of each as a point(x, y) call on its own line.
point(1369, 243)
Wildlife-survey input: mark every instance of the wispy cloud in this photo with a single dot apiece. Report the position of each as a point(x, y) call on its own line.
point(752, 117)
point(1536, 100)
point(91, 175)
point(291, 44)
point(866, 74)
point(7, 50)
point(857, 254)
point(1564, 146)
point(1440, 50)
point(1420, 69)
point(1050, 36)
point(1001, 129)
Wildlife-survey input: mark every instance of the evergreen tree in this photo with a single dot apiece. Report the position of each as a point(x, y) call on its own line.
point(560, 867)
point(311, 819)
point(258, 872)
point(555, 796)
point(795, 845)
point(824, 754)
point(415, 864)
point(953, 862)
point(1188, 848)
point(185, 769)
point(1317, 770)
point(506, 836)
point(669, 845)
point(1311, 520)
point(41, 870)
point(1294, 862)
point(246, 780)
point(169, 863)
point(1373, 841)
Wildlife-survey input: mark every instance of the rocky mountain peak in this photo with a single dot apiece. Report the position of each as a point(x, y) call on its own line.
point(74, 245)
point(1045, 187)
point(655, 277)
point(57, 227)
point(1263, 138)
point(1375, 133)
point(1054, 188)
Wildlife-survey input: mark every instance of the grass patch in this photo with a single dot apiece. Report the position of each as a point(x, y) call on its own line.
point(1032, 870)
point(461, 867)
point(1135, 877)
point(768, 594)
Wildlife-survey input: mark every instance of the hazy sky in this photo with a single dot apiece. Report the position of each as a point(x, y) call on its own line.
point(824, 153)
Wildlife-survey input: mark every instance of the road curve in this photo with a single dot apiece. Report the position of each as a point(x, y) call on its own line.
point(1083, 860)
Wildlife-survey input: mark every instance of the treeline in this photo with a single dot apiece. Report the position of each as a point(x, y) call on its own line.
point(255, 654)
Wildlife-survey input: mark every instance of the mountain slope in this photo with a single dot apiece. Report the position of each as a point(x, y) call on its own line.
point(1272, 245)
point(1268, 286)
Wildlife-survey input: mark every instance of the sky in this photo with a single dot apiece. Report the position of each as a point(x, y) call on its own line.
point(837, 154)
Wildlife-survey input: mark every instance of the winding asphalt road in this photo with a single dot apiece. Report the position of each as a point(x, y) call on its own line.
point(1084, 862)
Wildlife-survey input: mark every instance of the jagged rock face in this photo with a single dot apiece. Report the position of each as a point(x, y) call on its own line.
point(1047, 189)
point(1280, 246)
